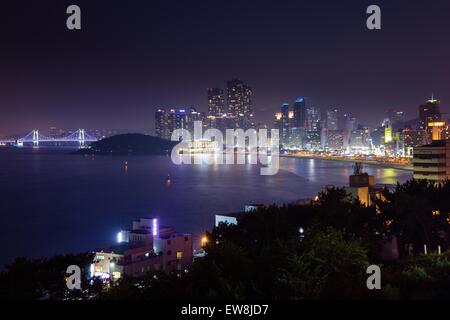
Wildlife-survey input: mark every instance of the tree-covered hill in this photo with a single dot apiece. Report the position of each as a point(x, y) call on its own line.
point(132, 143)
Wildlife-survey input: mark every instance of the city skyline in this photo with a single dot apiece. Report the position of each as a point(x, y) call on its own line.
point(342, 119)
point(230, 156)
point(320, 51)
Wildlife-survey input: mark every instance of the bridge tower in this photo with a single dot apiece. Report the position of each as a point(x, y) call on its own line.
point(81, 137)
point(35, 138)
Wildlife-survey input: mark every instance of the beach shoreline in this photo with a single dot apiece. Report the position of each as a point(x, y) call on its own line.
point(368, 162)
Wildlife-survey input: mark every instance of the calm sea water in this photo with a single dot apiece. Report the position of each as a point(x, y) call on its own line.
point(52, 202)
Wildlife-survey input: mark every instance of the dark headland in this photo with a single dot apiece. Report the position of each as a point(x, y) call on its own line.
point(133, 143)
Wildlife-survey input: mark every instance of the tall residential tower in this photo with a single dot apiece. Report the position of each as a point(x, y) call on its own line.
point(239, 103)
point(216, 102)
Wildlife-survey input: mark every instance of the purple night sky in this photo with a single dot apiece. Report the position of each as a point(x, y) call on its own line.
point(132, 57)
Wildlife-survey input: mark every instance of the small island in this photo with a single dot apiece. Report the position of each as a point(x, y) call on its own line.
point(133, 143)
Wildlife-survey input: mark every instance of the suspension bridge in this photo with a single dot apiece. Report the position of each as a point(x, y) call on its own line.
point(35, 138)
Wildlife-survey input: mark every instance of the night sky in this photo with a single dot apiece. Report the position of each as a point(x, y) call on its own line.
point(134, 56)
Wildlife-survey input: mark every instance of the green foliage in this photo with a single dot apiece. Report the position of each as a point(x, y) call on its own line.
point(265, 256)
point(42, 278)
point(153, 286)
point(327, 266)
point(416, 274)
point(388, 292)
point(410, 208)
point(131, 143)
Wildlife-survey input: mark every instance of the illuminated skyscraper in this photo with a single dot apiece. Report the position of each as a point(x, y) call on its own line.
point(285, 122)
point(288, 123)
point(412, 138)
point(312, 140)
point(297, 123)
point(429, 112)
point(397, 119)
point(313, 119)
point(172, 120)
point(185, 119)
point(216, 102)
point(162, 128)
point(388, 133)
point(299, 119)
point(335, 139)
point(350, 123)
point(167, 121)
point(182, 119)
point(360, 138)
point(239, 103)
point(332, 120)
point(278, 122)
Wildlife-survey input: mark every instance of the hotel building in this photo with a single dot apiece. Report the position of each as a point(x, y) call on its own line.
point(146, 247)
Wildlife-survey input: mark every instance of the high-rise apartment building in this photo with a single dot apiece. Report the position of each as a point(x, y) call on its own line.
point(313, 118)
point(360, 138)
point(216, 102)
point(312, 140)
point(335, 140)
point(350, 122)
point(429, 112)
point(299, 115)
point(162, 127)
point(239, 103)
point(396, 118)
point(290, 122)
point(285, 122)
point(166, 121)
point(332, 120)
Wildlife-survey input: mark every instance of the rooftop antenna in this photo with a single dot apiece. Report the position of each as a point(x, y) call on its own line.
point(433, 98)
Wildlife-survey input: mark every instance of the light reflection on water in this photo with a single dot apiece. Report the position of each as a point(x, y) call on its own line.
point(54, 203)
point(337, 172)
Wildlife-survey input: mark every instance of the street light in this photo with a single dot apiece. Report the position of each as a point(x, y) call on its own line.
point(204, 241)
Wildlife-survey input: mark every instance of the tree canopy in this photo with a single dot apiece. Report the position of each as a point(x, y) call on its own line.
point(318, 250)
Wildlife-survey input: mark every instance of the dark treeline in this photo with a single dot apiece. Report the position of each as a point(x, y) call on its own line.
point(315, 251)
point(130, 143)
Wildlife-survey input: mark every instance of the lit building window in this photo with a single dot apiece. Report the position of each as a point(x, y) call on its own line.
point(179, 255)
